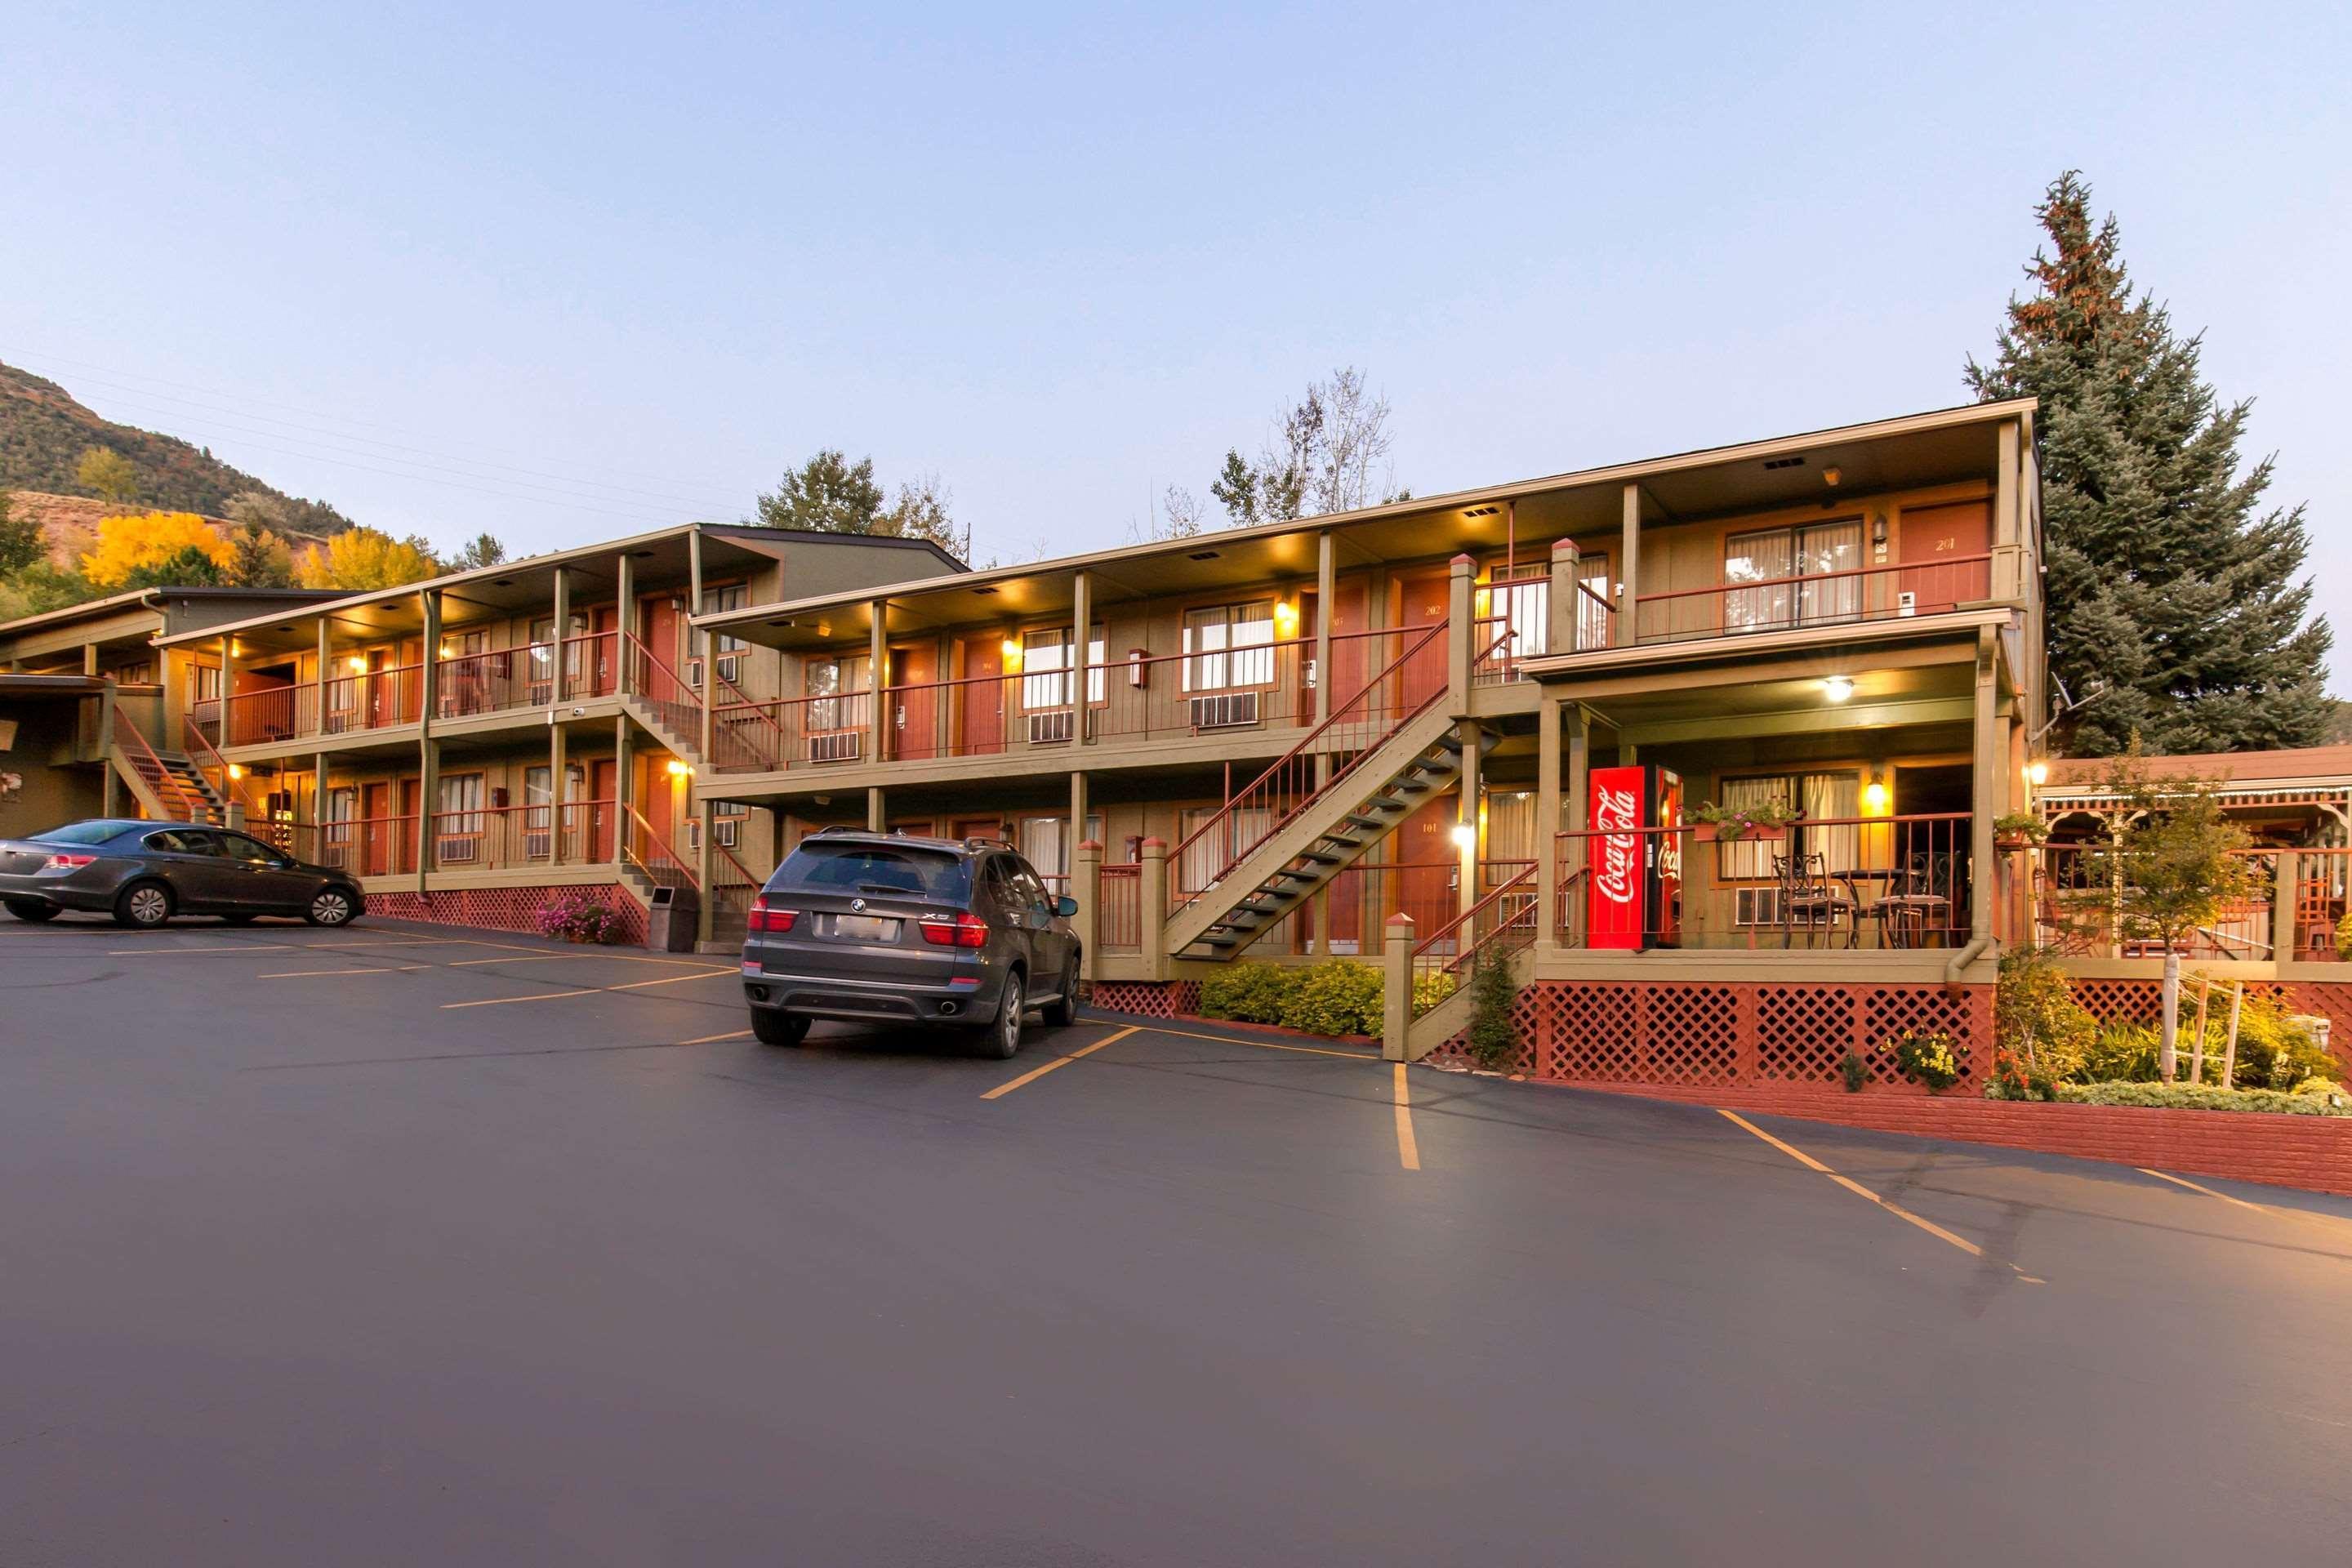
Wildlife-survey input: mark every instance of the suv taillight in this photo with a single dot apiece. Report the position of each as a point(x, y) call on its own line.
point(68, 862)
point(966, 930)
point(764, 918)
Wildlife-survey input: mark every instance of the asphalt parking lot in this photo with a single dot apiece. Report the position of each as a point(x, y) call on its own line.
point(403, 1244)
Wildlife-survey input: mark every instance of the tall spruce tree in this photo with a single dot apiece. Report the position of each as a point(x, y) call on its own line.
point(2165, 579)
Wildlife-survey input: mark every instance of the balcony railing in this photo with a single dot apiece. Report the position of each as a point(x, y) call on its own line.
point(1878, 883)
point(1815, 600)
point(2075, 901)
point(2322, 881)
point(1120, 921)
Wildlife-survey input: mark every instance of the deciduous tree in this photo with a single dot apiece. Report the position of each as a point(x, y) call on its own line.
point(108, 474)
point(360, 560)
point(136, 546)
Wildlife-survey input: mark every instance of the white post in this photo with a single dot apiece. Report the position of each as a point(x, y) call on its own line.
point(2166, 1055)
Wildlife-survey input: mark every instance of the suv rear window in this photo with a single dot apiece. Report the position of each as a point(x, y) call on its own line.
point(876, 869)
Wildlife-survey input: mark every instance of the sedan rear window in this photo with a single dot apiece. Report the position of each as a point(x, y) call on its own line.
point(81, 833)
point(875, 868)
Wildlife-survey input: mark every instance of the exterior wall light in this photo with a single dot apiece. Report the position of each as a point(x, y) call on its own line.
point(2037, 773)
point(1012, 649)
point(1465, 835)
point(1286, 618)
point(1837, 688)
point(356, 665)
point(680, 769)
point(236, 770)
point(1875, 798)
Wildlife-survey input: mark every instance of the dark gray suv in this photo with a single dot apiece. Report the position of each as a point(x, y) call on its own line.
point(882, 928)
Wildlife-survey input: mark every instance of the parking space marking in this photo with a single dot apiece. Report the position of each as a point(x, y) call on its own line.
point(590, 990)
point(1262, 1045)
point(2327, 1221)
point(1408, 1148)
point(1034, 1074)
point(306, 973)
point(177, 951)
point(562, 957)
point(1897, 1210)
point(713, 1039)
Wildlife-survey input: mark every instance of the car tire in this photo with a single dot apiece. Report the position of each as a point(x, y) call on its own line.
point(330, 907)
point(770, 1027)
point(1063, 1010)
point(1002, 1038)
point(143, 906)
point(32, 911)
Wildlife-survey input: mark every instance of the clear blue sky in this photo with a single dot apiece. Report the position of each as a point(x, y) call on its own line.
point(1063, 259)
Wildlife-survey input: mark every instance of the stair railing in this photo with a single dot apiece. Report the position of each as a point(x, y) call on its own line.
point(1500, 923)
point(204, 747)
point(659, 864)
point(1270, 802)
point(745, 735)
point(677, 704)
point(149, 766)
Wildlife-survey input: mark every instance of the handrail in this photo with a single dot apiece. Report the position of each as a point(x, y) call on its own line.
point(189, 723)
point(1469, 917)
point(656, 661)
point(162, 776)
point(1937, 565)
point(1339, 775)
point(672, 856)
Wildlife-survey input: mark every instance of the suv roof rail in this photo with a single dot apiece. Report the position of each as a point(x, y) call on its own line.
point(988, 844)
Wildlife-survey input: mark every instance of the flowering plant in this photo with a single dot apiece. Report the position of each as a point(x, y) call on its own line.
point(576, 916)
point(1933, 1059)
point(1733, 823)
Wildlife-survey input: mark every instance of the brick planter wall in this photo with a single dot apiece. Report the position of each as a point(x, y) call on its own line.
point(504, 908)
point(2309, 1152)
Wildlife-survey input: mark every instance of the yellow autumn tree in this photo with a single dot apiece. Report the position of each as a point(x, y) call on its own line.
point(359, 560)
point(135, 551)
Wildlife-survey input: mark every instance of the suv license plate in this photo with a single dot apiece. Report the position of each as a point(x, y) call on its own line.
point(866, 928)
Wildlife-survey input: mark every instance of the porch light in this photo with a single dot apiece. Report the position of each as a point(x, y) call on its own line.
point(1837, 688)
point(1875, 798)
point(1465, 835)
point(1830, 477)
point(356, 665)
point(2037, 773)
point(680, 770)
point(236, 769)
point(1012, 651)
point(1286, 618)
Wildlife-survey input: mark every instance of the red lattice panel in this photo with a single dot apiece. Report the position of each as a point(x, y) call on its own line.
point(1588, 1031)
point(1803, 1032)
point(1147, 998)
point(2331, 1001)
point(1889, 1010)
point(1690, 1033)
point(2111, 1001)
point(505, 909)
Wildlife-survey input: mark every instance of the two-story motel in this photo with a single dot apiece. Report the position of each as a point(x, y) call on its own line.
point(1484, 722)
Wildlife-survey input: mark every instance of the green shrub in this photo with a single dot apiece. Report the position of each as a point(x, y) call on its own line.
point(2119, 1053)
point(1854, 1070)
point(2274, 1052)
point(2013, 1080)
point(1335, 997)
point(1250, 993)
point(1430, 987)
point(1494, 1037)
point(2200, 1097)
point(1934, 1058)
point(2036, 1018)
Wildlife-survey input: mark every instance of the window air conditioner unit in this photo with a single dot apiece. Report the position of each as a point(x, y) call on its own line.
point(535, 844)
point(727, 832)
point(731, 667)
point(1757, 906)
point(1050, 726)
point(1224, 710)
point(1906, 602)
point(694, 673)
point(693, 838)
point(836, 746)
point(542, 692)
point(457, 851)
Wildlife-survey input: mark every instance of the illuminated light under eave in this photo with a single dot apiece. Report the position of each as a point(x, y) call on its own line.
point(1875, 798)
point(2037, 773)
point(1465, 835)
point(1837, 688)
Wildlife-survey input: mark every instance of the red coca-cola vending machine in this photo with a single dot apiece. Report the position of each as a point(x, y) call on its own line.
point(1634, 895)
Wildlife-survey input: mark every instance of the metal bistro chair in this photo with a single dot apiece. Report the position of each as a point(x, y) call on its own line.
point(1920, 904)
point(1810, 897)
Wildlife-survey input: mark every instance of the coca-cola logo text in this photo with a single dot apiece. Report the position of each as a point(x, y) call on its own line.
point(1619, 873)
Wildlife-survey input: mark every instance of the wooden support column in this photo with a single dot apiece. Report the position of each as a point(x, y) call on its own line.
point(1082, 620)
point(1396, 991)
point(1085, 886)
point(624, 785)
point(1985, 791)
point(1461, 637)
point(1559, 634)
point(1579, 730)
point(428, 749)
point(326, 672)
point(1547, 726)
point(1327, 595)
point(878, 677)
point(1151, 913)
point(877, 810)
point(221, 736)
point(1465, 815)
point(428, 787)
point(1628, 571)
point(2284, 905)
point(558, 760)
point(624, 619)
point(561, 653)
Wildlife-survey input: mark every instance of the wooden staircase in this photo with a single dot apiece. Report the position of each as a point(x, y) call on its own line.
point(168, 785)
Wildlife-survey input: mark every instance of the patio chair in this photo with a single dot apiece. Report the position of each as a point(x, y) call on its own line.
point(1920, 903)
point(1809, 897)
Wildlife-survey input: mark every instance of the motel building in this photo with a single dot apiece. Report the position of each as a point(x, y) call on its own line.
point(1493, 723)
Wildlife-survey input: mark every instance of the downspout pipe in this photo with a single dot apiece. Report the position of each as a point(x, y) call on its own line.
point(1958, 962)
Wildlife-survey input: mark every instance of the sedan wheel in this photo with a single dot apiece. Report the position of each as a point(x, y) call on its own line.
point(330, 906)
point(146, 906)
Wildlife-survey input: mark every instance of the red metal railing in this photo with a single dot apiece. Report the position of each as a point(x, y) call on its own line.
point(1119, 921)
point(1413, 682)
point(744, 735)
point(374, 698)
point(1848, 882)
point(163, 781)
point(589, 667)
point(2323, 882)
point(367, 845)
point(492, 682)
point(652, 855)
point(266, 713)
point(733, 887)
point(1823, 599)
point(1497, 925)
point(677, 705)
point(2075, 909)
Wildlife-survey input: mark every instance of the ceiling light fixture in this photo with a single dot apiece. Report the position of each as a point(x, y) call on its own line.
point(1831, 476)
point(1837, 688)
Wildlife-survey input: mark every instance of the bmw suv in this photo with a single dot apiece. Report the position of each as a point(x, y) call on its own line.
point(884, 928)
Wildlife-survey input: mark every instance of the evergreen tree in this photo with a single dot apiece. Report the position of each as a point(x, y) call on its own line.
point(21, 540)
point(2165, 581)
point(828, 493)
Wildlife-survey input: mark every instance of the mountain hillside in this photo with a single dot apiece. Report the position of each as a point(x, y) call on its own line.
point(44, 430)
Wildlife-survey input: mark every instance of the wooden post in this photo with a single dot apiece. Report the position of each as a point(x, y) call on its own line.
point(1082, 620)
point(2197, 1052)
point(877, 675)
point(1085, 886)
point(1460, 635)
point(1547, 821)
point(326, 673)
point(1628, 571)
point(2286, 875)
point(1465, 816)
point(1396, 988)
point(877, 810)
point(624, 624)
point(558, 761)
point(1579, 773)
point(562, 637)
point(1984, 794)
point(1152, 895)
point(1561, 607)
point(429, 750)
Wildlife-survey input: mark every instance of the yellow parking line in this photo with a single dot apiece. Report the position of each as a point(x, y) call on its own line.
point(1897, 1210)
point(706, 1039)
point(2193, 1188)
point(1034, 1074)
point(2327, 1221)
point(560, 957)
point(1263, 1044)
point(176, 951)
point(1408, 1150)
point(590, 990)
point(304, 973)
